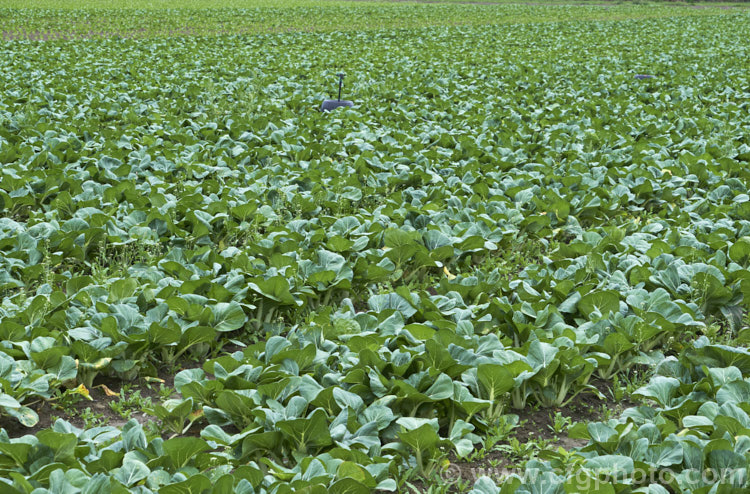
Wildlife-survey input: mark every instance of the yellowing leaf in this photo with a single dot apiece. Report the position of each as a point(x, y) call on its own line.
point(108, 391)
point(83, 391)
point(448, 273)
point(98, 365)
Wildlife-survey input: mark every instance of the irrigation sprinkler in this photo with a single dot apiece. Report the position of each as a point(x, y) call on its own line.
point(332, 104)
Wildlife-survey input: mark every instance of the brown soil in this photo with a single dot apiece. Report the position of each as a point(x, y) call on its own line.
point(99, 404)
point(534, 424)
point(537, 425)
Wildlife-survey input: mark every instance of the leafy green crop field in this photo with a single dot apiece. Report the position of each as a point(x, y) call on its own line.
point(52, 20)
point(512, 267)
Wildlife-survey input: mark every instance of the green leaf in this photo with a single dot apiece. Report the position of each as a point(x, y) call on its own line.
point(25, 415)
point(65, 370)
point(392, 301)
point(542, 356)
point(260, 441)
point(739, 252)
point(122, 289)
point(561, 209)
point(19, 452)
point(348, 486)
point(275, 288)
point(228, 316)
point(195, 484)
point(665, 454)
point(580, 482)
point(63, 445)
point(601, 302)
point(131, 472)
point(617, 466)
point(351, 470)
point(133, 436)
point(441, 389)
point(722, 460)
point(421, 439)
point(182, 449)
point(734, 392)
point(494, 380)
point(310, 432)
point(99, 483)
point(661, 389)
point(601, 433)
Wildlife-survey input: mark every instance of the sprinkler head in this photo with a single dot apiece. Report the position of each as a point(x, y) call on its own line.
point(331, 104)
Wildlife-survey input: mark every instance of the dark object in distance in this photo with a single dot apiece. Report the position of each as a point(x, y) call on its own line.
point(644, 76)
point(332, 104)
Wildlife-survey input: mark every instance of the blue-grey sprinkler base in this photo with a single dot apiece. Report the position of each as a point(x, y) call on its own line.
point(332, 104)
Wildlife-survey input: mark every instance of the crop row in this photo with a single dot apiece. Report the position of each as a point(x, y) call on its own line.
point(60, 22)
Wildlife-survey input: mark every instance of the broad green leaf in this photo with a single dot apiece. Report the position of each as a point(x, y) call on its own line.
point(228, 316)
point(601, 302)
point(181, 449)
point(494, 381)
point(421, 439)
point(131, 472)
point(310, 432)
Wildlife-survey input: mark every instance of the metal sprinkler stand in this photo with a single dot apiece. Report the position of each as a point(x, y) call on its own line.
point(332, 104)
